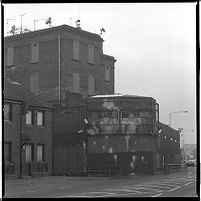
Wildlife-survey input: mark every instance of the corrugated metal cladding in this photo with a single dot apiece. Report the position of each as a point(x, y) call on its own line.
point(124, 143)
point(124, 104)
point(69, 122)
point(67, 158)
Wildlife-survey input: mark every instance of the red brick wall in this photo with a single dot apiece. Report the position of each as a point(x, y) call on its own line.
point(48, 67)
point(38, 135)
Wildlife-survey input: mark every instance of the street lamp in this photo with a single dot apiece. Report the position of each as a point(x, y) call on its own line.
point(174, 113)
point(182, 145)
point(21, 22)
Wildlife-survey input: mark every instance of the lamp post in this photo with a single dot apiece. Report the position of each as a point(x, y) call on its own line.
point(170, 115)
point(21, 22)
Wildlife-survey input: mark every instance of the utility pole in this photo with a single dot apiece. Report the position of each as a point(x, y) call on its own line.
point(21, 22)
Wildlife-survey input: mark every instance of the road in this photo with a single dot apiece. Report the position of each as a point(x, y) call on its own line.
point(181, 184)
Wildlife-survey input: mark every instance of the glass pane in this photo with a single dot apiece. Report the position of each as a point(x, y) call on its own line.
point(29, 117)
point(28, 153)
point(39, 152)
point(39, 118)
point(6, 112)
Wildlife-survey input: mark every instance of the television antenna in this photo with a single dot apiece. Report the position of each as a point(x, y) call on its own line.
point(78, 24)
point(102, 30)
point(49, 21)
point(7, 20)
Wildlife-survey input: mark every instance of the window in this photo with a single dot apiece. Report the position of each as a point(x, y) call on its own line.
point(40, 152)
point(7, 152)
point(107, 72)
point(34, 83)
point(76, 83)
point(34, 53)
point(40, 118)
point(76, 50)
point(91, 85)
point(90, 54)
point(29, 152)
point(7, 112)
point(30, 117)
point(10, 56)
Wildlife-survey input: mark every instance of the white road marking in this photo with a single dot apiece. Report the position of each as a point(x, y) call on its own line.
point(157, 195)
point(120, 189)
point(174, 188)
point(188, 183)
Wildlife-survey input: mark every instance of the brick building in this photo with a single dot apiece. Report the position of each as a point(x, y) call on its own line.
point(169, 145)
point(55, 61)
point(28, 123)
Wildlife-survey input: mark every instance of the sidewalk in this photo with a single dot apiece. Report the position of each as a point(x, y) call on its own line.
point(49, 179)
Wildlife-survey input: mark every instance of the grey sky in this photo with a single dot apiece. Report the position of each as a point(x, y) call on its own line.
point(154, 45)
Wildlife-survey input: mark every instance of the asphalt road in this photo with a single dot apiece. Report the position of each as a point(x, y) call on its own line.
point(181, 184)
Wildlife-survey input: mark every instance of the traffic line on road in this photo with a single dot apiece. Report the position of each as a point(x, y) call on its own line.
point(157, 195)
point(173, 189)
point(188, 183)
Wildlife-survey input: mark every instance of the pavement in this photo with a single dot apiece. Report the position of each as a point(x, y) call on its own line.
point(56, 186)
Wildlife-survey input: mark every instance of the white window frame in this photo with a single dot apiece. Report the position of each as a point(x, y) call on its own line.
point(40, 153)
point(29, 152)
point(30, 117)
point(41, 121)
point(7, 111)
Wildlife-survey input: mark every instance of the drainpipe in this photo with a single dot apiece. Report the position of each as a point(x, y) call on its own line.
point(59, 45)
point(20, 143)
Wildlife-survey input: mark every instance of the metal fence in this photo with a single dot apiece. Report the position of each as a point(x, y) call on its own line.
point(9, 168)
point(28, 168)
point(172, 168)
point(97, 170)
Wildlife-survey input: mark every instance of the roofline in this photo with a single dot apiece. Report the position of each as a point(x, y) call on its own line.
point(64, 26)
point(111, 96)
point(20, 102)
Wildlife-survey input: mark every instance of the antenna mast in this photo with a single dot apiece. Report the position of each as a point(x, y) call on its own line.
point(7, 24)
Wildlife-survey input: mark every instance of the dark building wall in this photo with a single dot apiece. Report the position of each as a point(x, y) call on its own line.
point(11, 135)
point(48, 65)
point(37, 135)
point(169, 144)
point(121, 143)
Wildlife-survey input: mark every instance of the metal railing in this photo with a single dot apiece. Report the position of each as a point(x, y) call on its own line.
point(9, 168)
point(172, 168)
point(96, 170)
point(28, 168)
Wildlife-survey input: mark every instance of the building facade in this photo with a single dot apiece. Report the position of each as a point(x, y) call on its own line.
point(60, 60)
point(28, 132)
point(169, 145)
point(109, 131)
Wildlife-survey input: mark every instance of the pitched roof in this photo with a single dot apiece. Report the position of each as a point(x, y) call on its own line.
point(15, 92)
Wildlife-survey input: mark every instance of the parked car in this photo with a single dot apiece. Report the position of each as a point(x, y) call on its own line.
point(190, 163)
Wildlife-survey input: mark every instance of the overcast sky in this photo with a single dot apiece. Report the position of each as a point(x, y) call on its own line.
point(154, 45)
